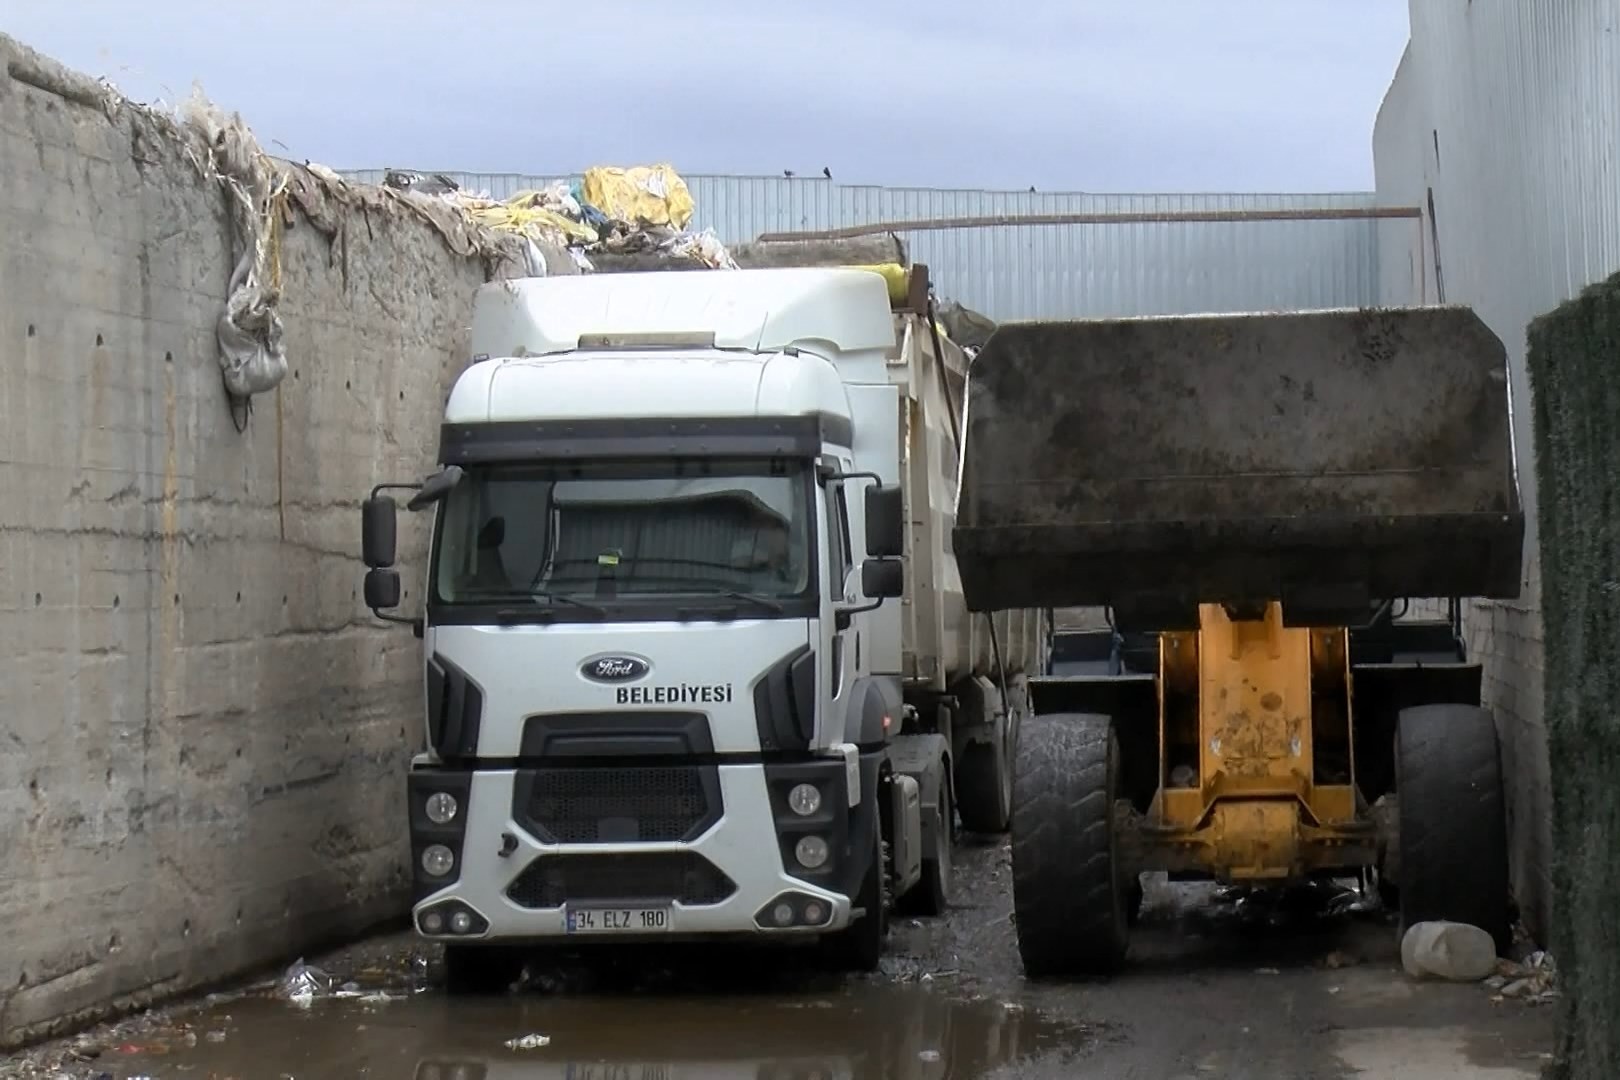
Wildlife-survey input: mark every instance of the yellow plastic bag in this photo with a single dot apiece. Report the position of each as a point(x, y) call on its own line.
point(528, 214)
point(897, 277)
point(533, 222)
point(641, 196)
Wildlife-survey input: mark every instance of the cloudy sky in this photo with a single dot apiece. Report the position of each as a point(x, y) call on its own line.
point(1096, 95)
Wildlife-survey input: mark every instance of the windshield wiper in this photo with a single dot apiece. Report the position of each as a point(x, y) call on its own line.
point(509, 614)
point(706, 588)
point(754, 598)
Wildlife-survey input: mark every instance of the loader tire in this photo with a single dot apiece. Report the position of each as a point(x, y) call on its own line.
point(1453, 824)
point(1069, 894)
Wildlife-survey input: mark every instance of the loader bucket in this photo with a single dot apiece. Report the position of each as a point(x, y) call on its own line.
point(1326, 459)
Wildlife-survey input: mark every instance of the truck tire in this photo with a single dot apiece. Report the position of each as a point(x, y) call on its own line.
point(859, 946)
point(481, 970)
point(1453, 822)
point(1069, 894)
point(931, 896)
point(984, 777)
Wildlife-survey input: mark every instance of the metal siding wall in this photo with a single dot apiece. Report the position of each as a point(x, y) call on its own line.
point(1055, 271)
point(1523, 100)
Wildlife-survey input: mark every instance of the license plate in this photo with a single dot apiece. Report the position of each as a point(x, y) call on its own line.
point(617, 1071)
point(619, 920)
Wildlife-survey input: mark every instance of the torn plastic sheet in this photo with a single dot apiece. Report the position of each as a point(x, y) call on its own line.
point(249, 330)
point(301, 984)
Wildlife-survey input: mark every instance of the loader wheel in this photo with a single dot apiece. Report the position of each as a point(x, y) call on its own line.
point(1453, 826)
point(859, 946)
point(1069, 895)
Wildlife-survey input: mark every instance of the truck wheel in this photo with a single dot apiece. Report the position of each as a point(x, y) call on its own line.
point(1069, 895)
point(984, 781)
point(1453, 825)
point(480, 969)
point(931, 895)
point(859, 946)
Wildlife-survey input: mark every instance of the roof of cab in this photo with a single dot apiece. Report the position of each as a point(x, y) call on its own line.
point(752, 310)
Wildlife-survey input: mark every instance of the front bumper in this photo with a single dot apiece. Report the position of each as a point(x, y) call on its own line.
point(512, 882)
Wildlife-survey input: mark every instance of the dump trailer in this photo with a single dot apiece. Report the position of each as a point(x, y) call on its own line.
point(1252, 499)
point(698, 661)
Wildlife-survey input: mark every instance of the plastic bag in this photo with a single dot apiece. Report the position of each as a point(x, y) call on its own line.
point(640, 196)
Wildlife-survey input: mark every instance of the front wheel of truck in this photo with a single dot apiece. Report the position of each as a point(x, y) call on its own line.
point(481, 970)
point(859, 946)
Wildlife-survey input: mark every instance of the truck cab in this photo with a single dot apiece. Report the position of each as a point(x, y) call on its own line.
point(663, 698)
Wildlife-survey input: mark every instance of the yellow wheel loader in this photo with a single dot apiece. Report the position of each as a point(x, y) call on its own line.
point(1252, 499)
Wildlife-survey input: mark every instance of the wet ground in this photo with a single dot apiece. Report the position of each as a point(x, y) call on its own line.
point(1219, 987)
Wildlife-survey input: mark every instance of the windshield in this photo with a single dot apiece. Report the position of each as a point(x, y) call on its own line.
point(626, 531)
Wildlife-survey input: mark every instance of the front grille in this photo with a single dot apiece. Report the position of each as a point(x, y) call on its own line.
point(630, 877)
point(623, 805)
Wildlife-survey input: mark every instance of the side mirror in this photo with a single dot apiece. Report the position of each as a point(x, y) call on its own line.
point(435, 488)
point(378, 534)
point(382, 589)
point(885, 522)
point(883, 579)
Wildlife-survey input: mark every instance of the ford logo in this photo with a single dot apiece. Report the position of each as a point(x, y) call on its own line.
point(614, 669)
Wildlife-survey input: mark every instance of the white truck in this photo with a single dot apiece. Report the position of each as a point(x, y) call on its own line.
point(697, 662)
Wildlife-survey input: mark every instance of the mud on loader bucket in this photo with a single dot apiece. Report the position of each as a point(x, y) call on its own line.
point(1323, 459)
point(1252, 494)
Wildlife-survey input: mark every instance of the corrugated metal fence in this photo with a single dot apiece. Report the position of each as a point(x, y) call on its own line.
point(1058, 271)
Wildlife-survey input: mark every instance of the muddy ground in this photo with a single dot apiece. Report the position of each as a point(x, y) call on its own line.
point(1218, 988)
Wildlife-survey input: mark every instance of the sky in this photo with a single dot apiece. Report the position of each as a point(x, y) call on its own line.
point(1062, 95)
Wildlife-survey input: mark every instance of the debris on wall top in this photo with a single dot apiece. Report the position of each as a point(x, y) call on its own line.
point(609, 211)
point(263, 193)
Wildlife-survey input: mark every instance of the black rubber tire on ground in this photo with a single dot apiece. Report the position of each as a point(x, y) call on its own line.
point(984, 783)
point(859, 946)
point(480, 970)
point(1069, 894)
point(931, 896)
point(1453, 821)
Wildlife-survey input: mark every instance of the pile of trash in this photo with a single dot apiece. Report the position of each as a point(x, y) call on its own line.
point(608, 211)
point(1533, 980)
point(303, 984)
point(1463, 953)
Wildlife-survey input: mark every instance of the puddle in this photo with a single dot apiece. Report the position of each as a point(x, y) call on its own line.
point(907, 1032)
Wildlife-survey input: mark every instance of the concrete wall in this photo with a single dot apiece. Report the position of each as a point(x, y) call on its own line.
point(204, 730)
point(1507, 112)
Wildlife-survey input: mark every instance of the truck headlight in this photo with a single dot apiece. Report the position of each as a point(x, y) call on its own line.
point(804, 799)
point(441, 808)
point(439, 860)
point(811, 851)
